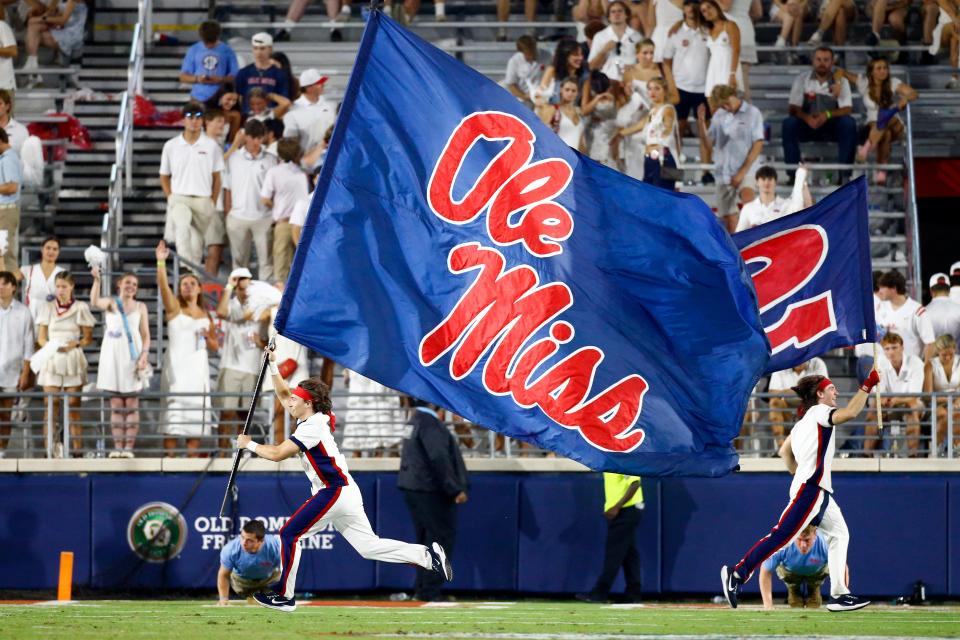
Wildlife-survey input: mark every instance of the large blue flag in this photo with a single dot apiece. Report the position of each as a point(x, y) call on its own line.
point(458, 251)
point(812, 274)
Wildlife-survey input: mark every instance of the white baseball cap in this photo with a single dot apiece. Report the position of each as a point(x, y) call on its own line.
point(939, 278)
point(955, 268)
point(310, 77)
point(262, 39)
point(241, 272)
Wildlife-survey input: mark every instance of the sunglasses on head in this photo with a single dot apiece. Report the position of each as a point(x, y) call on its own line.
point(193, 114)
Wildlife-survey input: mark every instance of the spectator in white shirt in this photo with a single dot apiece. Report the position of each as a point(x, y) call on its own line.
point(240, 356)
point(955, 282)
point(685, 58)
point(283, 186)
point(215, 237)
point(16, 347)
point(311, 114)
point(901, 374)
point(8, 53)
point(736, 132)
point(943, 312)
point(768, 206)
point(614, 48)
point(942, 375)
point(820, 108)
point(782, 383)
point(16, 131)
point(190, 167)
point(248, 219)
point(525, 69)
point(904, 316)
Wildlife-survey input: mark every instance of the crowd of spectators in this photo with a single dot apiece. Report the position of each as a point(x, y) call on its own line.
point(238, 180)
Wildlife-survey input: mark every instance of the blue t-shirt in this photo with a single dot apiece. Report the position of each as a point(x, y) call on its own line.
point(271, 80)
point(795, 562)
point(203, 61)
point(252, 566)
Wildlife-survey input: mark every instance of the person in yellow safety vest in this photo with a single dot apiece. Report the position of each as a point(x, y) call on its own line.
point(622, 508)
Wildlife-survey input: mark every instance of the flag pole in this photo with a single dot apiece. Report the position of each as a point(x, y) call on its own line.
point(231, 481)
point(877, 391)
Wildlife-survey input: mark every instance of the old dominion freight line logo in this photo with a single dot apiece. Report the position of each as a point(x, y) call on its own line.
point(157, 532)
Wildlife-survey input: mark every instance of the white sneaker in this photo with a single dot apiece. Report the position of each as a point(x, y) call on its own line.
point(780, 43)
point(816, 39)
point(116, 453)
point(954, 84)
point(440, 561)
point(126, 453)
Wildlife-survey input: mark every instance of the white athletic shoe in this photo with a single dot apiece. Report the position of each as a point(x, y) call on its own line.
point(440, 561)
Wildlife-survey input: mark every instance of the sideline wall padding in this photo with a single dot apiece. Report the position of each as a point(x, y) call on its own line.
point(535, 532)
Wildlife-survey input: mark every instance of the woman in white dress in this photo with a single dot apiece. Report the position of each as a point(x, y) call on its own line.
point(635, 79)
point(565, 118)
point(191, 332)
point(723, 42)
point(666, 13)
point(602, 100)
point(658, 130)
point(38, 278)
point(123, 356)
point(738, 11)
point(942, 375)
point(946, 34)
point(68, 324)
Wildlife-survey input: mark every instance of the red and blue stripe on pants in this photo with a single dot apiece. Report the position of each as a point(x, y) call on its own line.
point(300, 523)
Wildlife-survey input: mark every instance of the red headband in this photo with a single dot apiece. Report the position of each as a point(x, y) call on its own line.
point(826, 382)
point(302, 393)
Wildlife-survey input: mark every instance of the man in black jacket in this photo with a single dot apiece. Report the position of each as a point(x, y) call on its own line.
point(434, 481)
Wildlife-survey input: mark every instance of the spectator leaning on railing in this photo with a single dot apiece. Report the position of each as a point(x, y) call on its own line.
point(944, 313)
point(942, 375)
point(65, 328)
point(16, 348)
point(820, 108)
point(10, 178)
point(190, 167)
point(123, 367)
point(901, 373)
point(208, 64)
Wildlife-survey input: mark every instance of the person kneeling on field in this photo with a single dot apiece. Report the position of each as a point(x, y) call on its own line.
point(802, 566)
point(248, 563)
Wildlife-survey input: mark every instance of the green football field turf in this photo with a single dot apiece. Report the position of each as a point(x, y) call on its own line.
point(186, 620)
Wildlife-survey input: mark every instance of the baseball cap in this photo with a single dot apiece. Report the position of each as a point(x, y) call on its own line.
point(262, 39)
point(939, 279)
point(955, 268)
point(310, 77)
point(241, 272)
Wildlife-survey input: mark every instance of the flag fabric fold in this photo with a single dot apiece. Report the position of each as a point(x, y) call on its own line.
point(456, 250)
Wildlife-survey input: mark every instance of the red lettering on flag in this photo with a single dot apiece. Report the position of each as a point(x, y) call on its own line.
point(518, 194)
point(790, 259)
point(499, 313)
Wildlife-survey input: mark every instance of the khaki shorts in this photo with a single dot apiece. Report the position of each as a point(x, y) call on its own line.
point(240, 387)
point(727, 195)
point(245, 588)
point(216, 232)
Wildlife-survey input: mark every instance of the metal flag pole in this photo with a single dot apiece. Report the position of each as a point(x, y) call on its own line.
point(246, 425)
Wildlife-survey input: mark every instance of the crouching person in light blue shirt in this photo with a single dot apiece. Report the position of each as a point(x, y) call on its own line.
point(249, 562)
point(802, 566)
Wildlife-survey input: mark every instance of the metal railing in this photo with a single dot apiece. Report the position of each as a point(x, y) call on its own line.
point(373, 425)
point(121, 173)
point(912, 223)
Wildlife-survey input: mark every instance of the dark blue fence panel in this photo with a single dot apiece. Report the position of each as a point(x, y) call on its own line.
point(42, 516)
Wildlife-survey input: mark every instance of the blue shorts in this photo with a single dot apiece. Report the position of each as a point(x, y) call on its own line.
point(688, 104)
